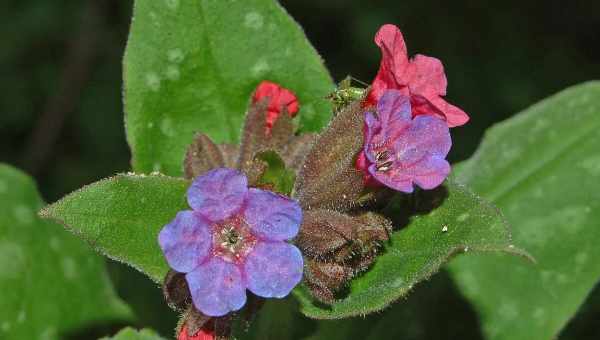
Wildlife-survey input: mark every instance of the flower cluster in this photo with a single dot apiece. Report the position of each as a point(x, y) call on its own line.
point(240, 236)
point(406, 128)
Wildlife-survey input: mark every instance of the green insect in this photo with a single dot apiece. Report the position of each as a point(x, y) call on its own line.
point(346, 93)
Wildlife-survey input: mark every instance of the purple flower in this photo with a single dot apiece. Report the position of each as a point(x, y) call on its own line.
point(400, 150)
point(233, 240)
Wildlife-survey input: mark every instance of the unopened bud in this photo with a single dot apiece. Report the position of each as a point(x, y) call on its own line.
point(337, 247)
point(202, 156)
point(328, 178)
point(324, 231)
point(197, 326)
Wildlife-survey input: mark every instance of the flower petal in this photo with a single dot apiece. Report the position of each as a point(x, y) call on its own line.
point(431, 172)
point(393, 117)
point(395, 179)
point(217, 287)
point(273, 269)
point(454, 115)
point(428, 173)
point(394, 62)
point(218, 194)
point(373, 136)
point(185, 241)
point(393, 112)
point(425, 76)
point(427, 136)
point(272, 216)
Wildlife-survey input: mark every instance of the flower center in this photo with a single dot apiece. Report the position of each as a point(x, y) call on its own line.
point(232, 239)
point(383, 161)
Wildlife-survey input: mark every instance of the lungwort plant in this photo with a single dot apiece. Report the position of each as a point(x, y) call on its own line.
point(338, 200)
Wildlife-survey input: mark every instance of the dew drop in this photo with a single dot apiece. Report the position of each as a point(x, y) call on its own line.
point(21, 317)
point(166, 127)
point(172, 4)
point(260, 67)
point(253, 20)
point(54, 243)
point(462, 217)
point(153, 81)
point(175, 55)
point(24, 214)
point(172, 73)
point(12, 260)
point(69, 268)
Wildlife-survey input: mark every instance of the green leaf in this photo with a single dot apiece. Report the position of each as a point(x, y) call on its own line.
point(276, 173)
point(122, 216)
point(192, 66)
point(434, 311)
point(51, 283)
point(542, 168)
point(132, 334)
point(461, 223)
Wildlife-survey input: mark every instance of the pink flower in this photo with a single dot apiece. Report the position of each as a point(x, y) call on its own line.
point(401, 150)
point(279, 98)
point(422, 78)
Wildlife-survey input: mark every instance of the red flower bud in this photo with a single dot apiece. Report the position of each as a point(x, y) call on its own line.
point(280, 99)
point(205, 333)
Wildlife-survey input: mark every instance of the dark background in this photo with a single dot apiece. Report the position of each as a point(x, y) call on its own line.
point(61, 116)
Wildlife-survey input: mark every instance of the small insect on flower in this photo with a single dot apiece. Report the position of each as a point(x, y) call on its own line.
point(345, 94)
point(233, 240)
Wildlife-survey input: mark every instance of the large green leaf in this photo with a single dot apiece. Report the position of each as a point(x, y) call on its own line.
point(542, 168)
point(121, 217)
point(461, 223)
point(192, 65)
point(51, 283)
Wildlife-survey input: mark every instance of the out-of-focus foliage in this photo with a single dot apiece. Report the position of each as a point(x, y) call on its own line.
point(542, 168)
point(51, 283)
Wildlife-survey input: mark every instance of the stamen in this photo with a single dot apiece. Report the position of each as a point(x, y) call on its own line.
point(382, 161)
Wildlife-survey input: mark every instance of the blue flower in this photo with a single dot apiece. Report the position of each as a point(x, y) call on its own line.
point(233, 239)
point(400, 150)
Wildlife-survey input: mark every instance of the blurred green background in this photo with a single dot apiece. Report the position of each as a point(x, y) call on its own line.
point(61, 116)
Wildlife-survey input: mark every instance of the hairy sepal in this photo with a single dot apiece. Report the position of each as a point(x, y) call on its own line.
point(328, 178)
